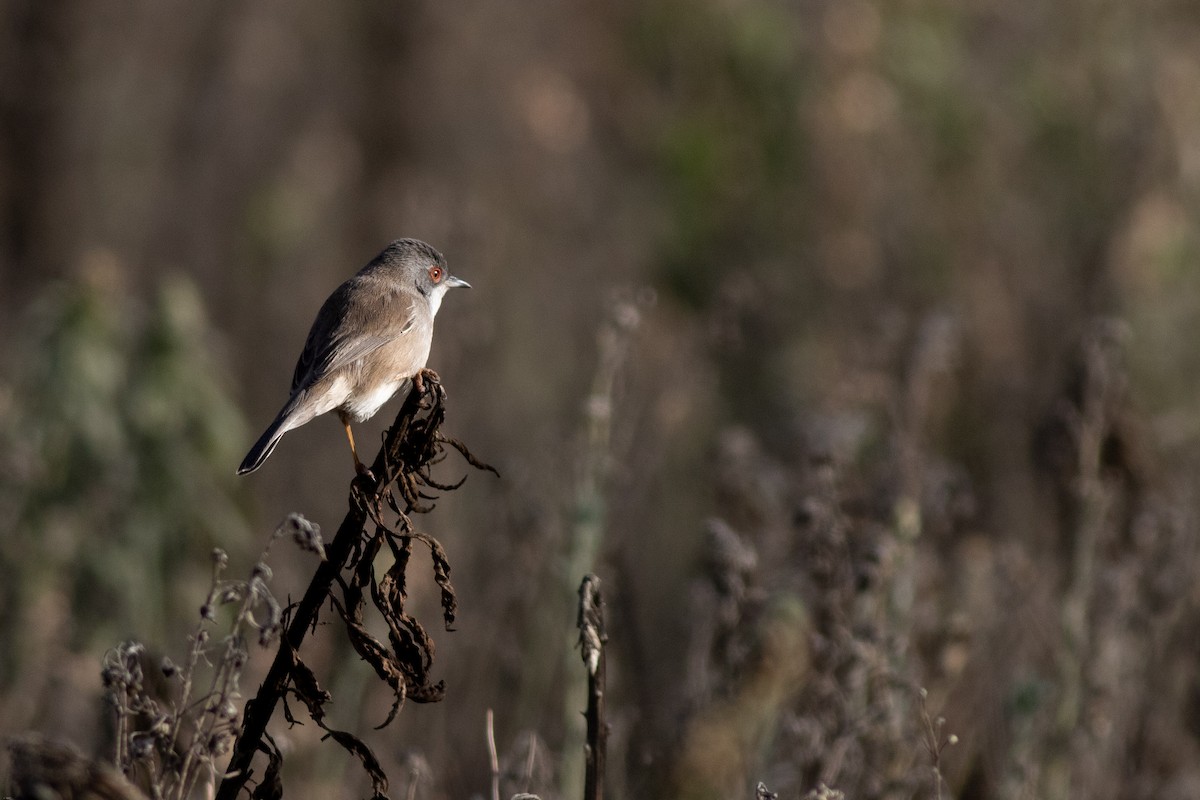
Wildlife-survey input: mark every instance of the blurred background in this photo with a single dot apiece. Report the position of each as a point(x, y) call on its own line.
point(851, 343)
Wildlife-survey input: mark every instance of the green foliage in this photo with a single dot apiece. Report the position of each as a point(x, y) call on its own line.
point(731, 151)
point(118, 436)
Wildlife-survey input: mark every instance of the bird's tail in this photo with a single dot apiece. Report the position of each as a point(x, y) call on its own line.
point(263, 447)
point(298, 410)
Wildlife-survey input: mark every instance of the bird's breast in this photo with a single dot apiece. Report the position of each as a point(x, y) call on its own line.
point(381, 373)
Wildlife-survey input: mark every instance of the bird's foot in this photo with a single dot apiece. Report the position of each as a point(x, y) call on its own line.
point(363, 499)
point(364, 488)
point(363, 472)
point(423, 375)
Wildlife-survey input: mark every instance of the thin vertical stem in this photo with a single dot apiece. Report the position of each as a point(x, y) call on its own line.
point(493, 759)
point(592, 638)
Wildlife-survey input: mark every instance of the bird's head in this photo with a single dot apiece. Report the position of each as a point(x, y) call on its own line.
point(419, 265)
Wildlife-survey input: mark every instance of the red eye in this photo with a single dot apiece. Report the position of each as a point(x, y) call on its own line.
point(435, 274)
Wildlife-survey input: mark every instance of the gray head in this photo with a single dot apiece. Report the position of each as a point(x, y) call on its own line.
point(419, 265)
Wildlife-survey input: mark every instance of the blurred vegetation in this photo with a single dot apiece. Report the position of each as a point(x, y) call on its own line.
point(916, 406)
point(116, 432)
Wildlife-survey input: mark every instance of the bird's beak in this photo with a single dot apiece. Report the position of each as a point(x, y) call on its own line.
point(453, 282)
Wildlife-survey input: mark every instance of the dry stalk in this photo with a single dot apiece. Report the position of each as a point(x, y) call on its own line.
point(935, 742)
point(346, 578)
point(592, 638)
point(171, 747)
point(493, 758)
point(590, 506)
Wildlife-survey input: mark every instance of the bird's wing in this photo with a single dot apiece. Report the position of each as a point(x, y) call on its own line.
point(354, 321)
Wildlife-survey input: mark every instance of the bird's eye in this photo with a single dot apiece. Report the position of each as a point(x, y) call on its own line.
point(435, 274)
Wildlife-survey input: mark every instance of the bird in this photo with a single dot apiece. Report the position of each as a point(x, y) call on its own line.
point(370, 339)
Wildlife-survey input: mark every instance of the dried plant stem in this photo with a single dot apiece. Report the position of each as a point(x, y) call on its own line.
point(590, 505)
point(121, 755)
point(592, 638)
point(530, 761)
point(260, 709)
point(275, 685)
point(493, 758)
point(180, 708)
point(935, 742)
point(222, 690)
point(1091, 423)
point(414, 778)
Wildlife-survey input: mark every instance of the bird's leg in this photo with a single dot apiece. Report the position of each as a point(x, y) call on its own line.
point(359, 467)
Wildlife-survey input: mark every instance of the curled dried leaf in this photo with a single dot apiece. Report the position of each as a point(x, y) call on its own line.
point(270, 787)
point(308, 689)
point(355, 746)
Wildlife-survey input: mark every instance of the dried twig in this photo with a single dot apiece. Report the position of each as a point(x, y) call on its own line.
point(493, 758)
point(174, 746)
point(935, 742)
point(592, 638)
point(411, 447)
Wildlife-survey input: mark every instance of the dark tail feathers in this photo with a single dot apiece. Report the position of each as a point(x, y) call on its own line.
point(263, 447)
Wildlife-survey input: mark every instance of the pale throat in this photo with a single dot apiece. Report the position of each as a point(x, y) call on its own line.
point(435, 299)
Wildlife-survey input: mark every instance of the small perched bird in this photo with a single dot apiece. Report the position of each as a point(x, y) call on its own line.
point(369, 340)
